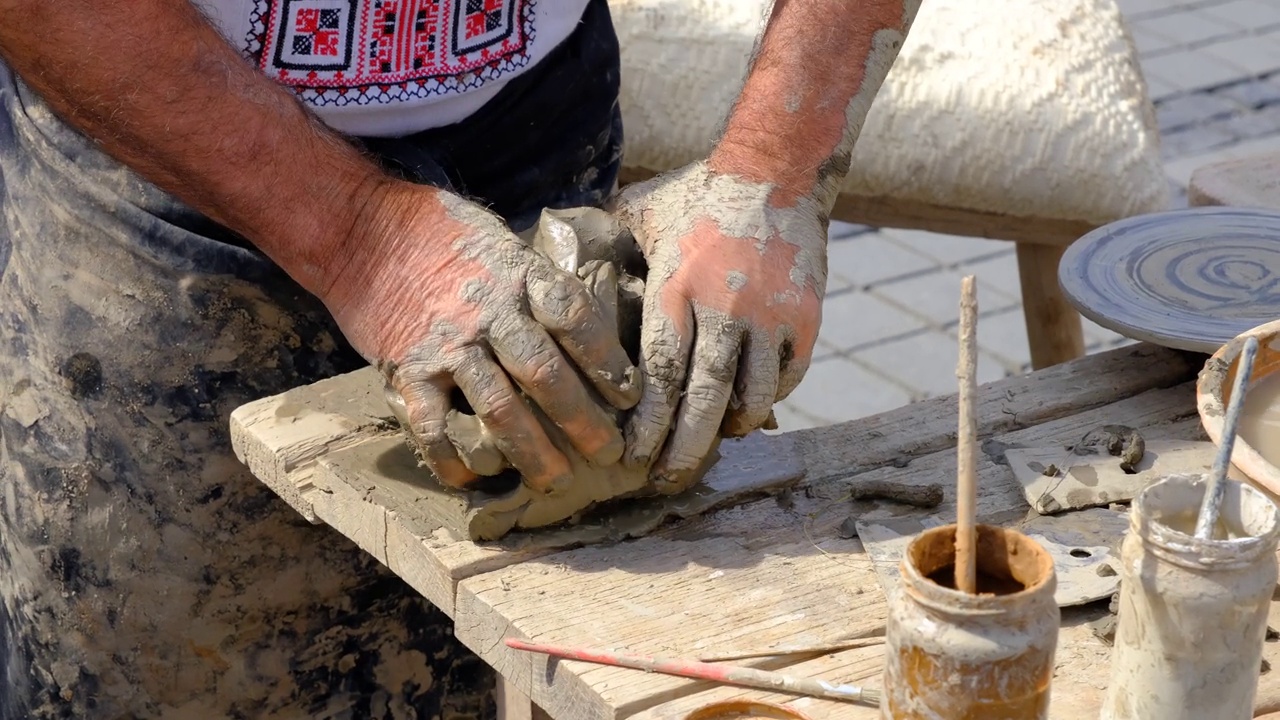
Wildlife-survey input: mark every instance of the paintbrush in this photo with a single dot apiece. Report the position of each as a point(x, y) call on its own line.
point(724, 674)
point(1217, 487)
point(966, 442)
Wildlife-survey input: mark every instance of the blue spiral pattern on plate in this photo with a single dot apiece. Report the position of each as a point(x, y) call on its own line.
point(1190, 279)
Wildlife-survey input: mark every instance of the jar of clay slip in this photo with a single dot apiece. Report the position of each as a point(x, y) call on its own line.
point(953, 655)
point(1193, 613)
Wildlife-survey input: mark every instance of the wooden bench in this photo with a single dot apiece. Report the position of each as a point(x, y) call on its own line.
point(743, 578)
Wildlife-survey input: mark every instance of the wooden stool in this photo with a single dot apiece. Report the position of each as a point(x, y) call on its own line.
point(1247, 182)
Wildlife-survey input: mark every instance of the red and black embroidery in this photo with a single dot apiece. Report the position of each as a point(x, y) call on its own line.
point(342, 52)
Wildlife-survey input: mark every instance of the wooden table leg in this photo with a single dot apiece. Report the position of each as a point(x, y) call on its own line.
point(513, 704)
point(1053, 326)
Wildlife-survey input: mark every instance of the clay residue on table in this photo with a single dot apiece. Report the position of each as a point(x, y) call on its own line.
point(921, 496)
point(1119, 440)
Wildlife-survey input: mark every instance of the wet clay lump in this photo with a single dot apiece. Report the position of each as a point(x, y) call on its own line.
point(596, 247)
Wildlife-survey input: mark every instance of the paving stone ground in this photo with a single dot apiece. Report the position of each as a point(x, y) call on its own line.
point(888, 335)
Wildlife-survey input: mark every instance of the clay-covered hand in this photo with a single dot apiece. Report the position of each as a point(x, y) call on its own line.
point(442, 296)
point(732, 305)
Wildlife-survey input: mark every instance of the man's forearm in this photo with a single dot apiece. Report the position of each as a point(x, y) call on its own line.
point(819, 65)
point(155, 84)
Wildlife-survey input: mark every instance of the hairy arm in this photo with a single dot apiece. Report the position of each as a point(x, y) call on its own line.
point(433, 289)
point(736, 243)
point(819, 65)
point(156, 85)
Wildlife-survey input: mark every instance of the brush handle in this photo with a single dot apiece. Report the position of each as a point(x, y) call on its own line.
point(726, 674)
point(1217, 488)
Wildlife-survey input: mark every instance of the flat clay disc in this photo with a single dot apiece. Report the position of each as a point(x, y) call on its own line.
point(1188, 279)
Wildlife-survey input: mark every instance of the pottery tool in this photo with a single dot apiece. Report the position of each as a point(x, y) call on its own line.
point(966, 568)
point(1218, 476)
point(1192, 279)
point(786, 650)
point(724, 674)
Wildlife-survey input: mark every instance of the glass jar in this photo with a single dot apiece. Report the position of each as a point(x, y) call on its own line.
point(952, 655)
point(1193, 613)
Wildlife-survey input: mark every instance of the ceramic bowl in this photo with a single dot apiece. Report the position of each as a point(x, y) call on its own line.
point(1213, 392)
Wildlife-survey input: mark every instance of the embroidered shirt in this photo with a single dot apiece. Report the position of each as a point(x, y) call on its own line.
point(393, 67)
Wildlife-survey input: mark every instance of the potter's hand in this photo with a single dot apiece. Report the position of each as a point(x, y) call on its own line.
point(441, 295)
point(731, 311)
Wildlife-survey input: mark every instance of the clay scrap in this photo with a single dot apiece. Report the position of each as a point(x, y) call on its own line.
point(595, 246)
point(1059, 479)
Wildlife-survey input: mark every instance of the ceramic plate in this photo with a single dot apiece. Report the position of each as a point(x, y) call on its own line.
point(1190, 279)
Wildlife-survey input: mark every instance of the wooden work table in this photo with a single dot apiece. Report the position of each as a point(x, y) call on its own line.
point(766, 573)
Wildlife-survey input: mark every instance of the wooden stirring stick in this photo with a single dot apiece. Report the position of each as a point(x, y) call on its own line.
point(966, 442)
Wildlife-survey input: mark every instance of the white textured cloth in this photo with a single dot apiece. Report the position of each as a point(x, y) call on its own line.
point(1032, 108)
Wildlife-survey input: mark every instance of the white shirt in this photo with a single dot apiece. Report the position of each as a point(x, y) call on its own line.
point(394, 67)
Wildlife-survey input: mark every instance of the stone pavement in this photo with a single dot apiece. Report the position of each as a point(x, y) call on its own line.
point(888, 335)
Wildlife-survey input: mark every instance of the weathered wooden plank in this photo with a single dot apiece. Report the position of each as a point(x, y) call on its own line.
point(1004, 406)
point(374, 494)
point(761, 573)
point(280, 437)
point(283, 438)
point(1083, 667)
point(659, 596)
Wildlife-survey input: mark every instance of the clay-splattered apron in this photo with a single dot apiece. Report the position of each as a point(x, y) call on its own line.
point(143, 571)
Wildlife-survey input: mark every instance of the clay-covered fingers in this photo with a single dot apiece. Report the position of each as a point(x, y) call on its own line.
point(563, 305)
point(535, 362)
point(794, 358)
point(713, 367)
point(425, 406)
point(758, 384)
point(665, 344)
point(515, 429)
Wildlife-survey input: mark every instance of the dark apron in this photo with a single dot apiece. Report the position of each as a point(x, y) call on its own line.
point(144, 573)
